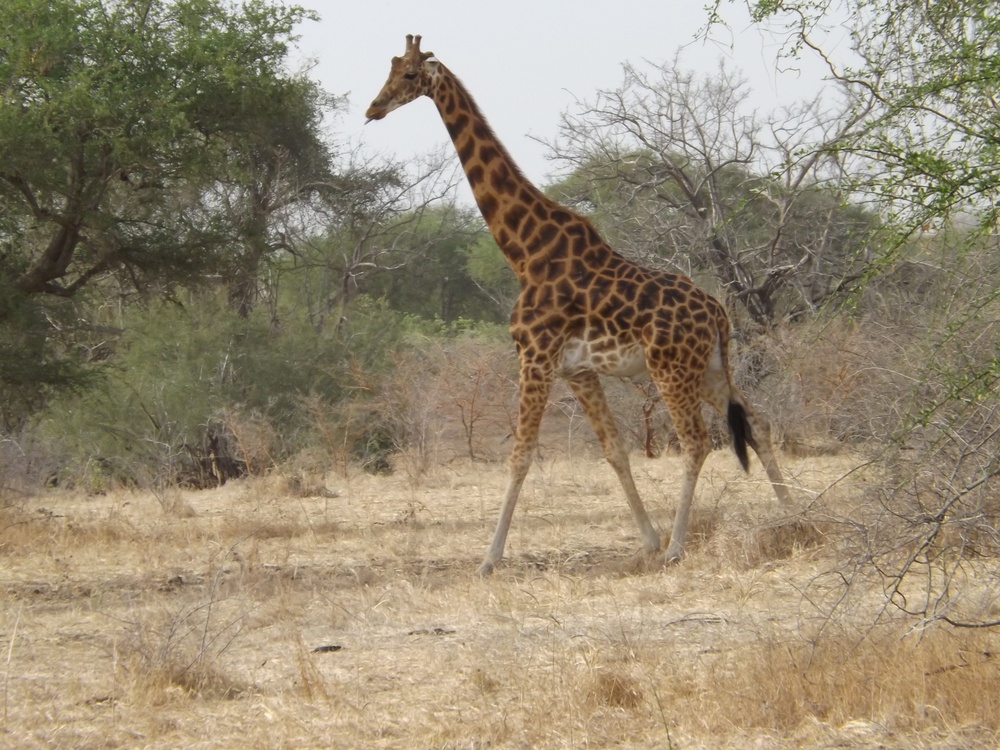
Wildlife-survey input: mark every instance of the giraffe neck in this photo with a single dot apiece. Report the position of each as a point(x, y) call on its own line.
point(502, 192)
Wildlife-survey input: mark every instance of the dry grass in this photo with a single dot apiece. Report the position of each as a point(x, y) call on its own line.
point(258, 616)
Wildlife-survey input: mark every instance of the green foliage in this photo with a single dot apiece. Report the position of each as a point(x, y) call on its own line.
point(425, 267)
point(119, 117)
point(34, 362)
point(932, 72)
point(143, 146)
point(924, 79)
point(185, 373)
point(438, 285)
point(490, 271)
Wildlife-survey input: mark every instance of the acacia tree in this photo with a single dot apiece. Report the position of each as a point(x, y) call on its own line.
point(273, 169)
point(923, 79)
point(436, 284)
point(126, 128)
point(115, 115)
point(684, 172)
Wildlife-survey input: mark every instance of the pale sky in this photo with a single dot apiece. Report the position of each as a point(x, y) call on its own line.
point(524, 61)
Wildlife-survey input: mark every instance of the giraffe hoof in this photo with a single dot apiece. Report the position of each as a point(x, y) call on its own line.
point(672, 556)
point(485, 569)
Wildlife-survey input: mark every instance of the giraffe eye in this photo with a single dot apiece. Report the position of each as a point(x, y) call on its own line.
point(410, 75)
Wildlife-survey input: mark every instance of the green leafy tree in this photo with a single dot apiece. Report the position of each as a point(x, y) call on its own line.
point(923, 79)
point(143, 145)
point(196, 383)
point(34, 361)
point(271, 161)
point(491, 273)
point(375, 219)
point(116, 116)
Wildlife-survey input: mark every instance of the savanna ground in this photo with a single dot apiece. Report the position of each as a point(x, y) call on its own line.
point(270, 613)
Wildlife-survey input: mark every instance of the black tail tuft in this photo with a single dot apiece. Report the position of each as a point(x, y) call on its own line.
point(742, 434)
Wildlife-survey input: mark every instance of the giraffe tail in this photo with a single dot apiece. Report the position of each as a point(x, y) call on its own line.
point(739, 426)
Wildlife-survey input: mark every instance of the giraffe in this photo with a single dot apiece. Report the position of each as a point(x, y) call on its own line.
point(585, 311)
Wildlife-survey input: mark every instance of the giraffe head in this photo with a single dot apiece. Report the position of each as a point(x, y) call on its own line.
point(409, 78)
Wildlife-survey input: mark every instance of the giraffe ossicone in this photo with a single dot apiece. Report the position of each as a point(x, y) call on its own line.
point(584, 311)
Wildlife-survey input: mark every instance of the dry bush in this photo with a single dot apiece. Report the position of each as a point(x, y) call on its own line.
point(161, 663)
point(349, 433)
point(173, 503)
point(177, 650)
point(747, 544)
point(457, 398)
point(19, 528)
point(27, 463)
point(930, 547)
point(615, 689)
point(826, 385)
point(236, 444)
point(643, 420)
point(454, 397)
point(253, 440)
point(27, 531)
point(928, 383)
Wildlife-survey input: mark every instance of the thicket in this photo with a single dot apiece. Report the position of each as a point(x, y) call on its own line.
point(919, 83)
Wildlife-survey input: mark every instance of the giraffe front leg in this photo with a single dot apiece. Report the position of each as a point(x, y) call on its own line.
point(535, 385)
point(519, 464)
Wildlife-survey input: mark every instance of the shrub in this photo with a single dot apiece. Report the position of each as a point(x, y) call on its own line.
point(196, 393)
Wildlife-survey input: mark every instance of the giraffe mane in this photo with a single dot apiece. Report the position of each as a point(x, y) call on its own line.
point(491, 134)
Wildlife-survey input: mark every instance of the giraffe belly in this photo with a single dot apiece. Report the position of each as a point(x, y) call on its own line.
point(580, 355)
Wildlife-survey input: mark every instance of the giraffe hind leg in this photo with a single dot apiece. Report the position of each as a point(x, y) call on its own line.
point(760, 440)
point(748, 428)
point(683, 400)
point(589, 392)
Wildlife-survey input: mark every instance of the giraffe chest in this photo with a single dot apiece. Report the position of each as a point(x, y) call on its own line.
point(607, 356)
